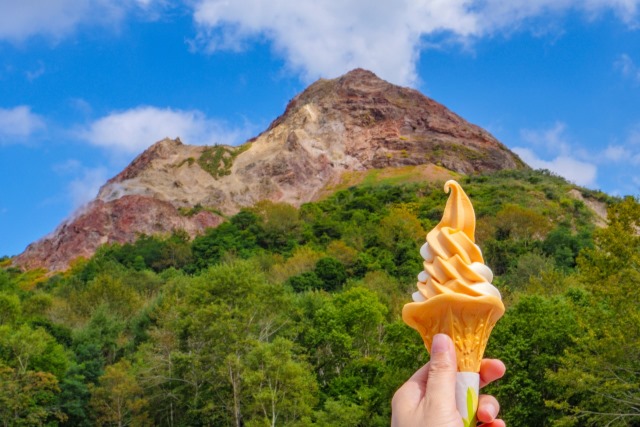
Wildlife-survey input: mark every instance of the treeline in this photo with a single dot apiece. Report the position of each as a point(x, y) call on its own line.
point(291, 317)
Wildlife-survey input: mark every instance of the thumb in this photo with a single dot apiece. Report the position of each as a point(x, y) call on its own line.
point(440, 395)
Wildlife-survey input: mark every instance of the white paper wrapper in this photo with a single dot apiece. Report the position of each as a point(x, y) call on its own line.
point(467, 387)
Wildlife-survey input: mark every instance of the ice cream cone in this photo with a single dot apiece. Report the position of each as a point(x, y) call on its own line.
point(455, 296)
point(468, 320)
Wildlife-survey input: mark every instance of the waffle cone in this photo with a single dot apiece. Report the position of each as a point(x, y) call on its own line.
point(468, 320)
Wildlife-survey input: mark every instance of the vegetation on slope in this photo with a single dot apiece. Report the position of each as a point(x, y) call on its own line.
point(217, 160)
point(291, 317)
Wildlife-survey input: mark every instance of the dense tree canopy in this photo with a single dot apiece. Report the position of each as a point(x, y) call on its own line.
point(291, 317)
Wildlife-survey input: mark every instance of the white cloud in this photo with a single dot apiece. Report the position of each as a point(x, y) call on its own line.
point(82, 182)
point(34, 74)
point(500, 14)
point(627, 67)
point(327, 38)
point(22, 19)
point(316, 38)
point(66, 167)
point(18, 123)
point(627, 153)
point(85, 188)
point(552, 140)
point(616, 153)
point(633, 138)
point(132, 131)
point(81, 106)
point(579, 172)
point(559, 155)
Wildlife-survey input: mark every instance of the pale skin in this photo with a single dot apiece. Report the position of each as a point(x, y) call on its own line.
point(427, 399)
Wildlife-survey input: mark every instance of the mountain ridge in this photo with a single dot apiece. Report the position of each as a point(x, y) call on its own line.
point(344, 126)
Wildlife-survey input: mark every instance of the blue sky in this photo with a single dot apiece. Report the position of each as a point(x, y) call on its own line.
point(86, 85)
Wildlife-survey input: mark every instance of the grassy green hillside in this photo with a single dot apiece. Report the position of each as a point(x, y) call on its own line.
point(294, 314)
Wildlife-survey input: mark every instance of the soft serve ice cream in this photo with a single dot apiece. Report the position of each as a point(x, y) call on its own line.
point(455, 295)
point(452, 261)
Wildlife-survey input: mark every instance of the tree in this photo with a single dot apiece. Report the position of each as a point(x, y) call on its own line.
point(100, 341)
point(74, 398)
point(303, 260)
point(281, 390)
point(175, 252)
point(517, 222)
point(340, 329)
point(388, 290)
point(156, 366)
point(362, 315)
point(28, 398)
point(6, 283)
point(118, 399)
point(564, 246)
point(531, 339)
point(331, 272)
point(193, 362)
point(305, 282)
point(400, 224)
point(281, 226)
point(10, 308)
point(616, 247)
point(25, 349)
point(340, 412)
point(344, 253)
point(107, 290)
point(227, 237)
point(600, 376)
point(530, 266)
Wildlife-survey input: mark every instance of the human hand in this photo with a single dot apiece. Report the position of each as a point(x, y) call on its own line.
point(428, 399)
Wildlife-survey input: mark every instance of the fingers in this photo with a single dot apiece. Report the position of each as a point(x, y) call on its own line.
point(441, 372)
point(488, 408)
point(439, 397)
point(491, 370)
point(413, 390)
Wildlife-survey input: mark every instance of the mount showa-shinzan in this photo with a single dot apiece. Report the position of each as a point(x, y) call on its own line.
point(329, 137)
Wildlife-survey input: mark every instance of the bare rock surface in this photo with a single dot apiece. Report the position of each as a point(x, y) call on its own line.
point(333, 129)
point(597, 207)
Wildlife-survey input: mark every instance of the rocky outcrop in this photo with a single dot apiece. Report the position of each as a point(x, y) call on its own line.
point(354, 123)
point(122, 220)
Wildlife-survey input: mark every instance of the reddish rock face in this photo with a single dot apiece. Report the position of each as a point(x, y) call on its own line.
point(122, 221)
point(353, 123)
point(386, 126)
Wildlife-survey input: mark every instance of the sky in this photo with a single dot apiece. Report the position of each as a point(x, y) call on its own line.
point(86, 85)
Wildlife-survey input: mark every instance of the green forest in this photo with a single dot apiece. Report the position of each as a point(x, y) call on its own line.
point(291, 317)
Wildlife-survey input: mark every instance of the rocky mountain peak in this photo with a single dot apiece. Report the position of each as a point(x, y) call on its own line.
point(161, 149)
point(336, 131)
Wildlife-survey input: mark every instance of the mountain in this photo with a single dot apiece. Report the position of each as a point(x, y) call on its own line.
point(332, 134)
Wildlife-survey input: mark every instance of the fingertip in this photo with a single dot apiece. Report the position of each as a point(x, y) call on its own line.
point(491, 370)
point(441, 388)
point(487, 413)
point(443, 352)
point(441, 343)
point(499, 364)
point(495, 423)
point(488, 408)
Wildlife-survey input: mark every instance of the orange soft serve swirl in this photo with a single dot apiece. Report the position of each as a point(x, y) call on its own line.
point(453, 263)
